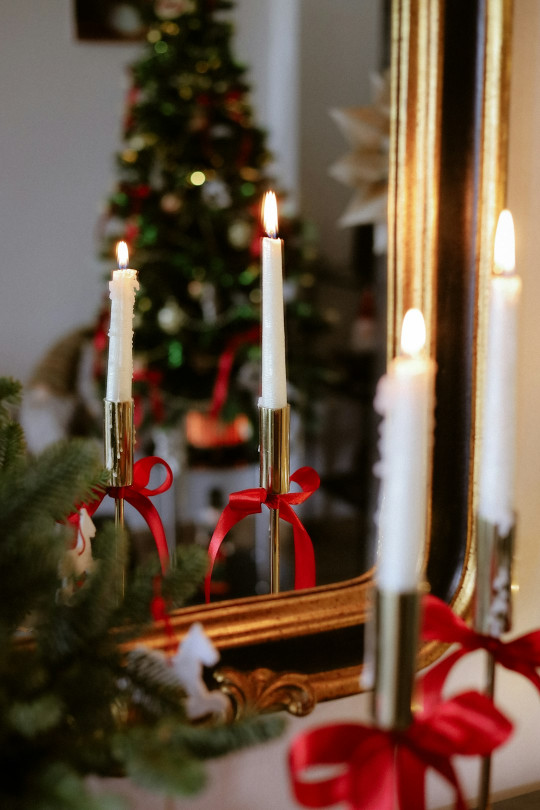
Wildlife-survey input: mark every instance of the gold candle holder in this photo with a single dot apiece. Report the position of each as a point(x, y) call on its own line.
point(119, 443)
point(493, 600)
point(396, 644)
point(492, 608)
point(274, 432)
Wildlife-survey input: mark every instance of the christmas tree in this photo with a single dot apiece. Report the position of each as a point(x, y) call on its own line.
point(72, 702)
point(191, 177)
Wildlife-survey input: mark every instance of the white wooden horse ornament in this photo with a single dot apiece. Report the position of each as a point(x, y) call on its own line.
point(195, 652)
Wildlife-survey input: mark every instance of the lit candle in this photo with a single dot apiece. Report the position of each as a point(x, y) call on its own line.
point(274, 382)
point(405, 396)
point(496, 494)
point(122, 293)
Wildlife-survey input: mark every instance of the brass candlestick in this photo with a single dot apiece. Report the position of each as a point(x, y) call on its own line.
point(396, 643)
point(493, 608)
point(119, 442)
point(274, 472)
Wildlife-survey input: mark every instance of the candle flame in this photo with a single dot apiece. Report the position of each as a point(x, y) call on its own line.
point(270, 218)
point(505, 245)
point(122, 255)
point(413, 332)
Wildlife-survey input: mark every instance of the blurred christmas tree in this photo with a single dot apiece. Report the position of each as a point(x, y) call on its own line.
point(191, 176)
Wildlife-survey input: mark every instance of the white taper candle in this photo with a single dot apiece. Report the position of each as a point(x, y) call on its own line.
point(405, 397)
point(274, 379)
point(496, 492)
point(122, 294)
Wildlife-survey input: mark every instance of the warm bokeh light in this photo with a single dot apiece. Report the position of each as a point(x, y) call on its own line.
point(413, 332)
point(505, 244)
point(270, 220)
point(197, 178)
point(122, 255)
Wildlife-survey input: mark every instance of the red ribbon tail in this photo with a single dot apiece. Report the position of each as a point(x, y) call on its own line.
point(228, 518)
point(304, 556)
point(410, 780)
point(152, 518)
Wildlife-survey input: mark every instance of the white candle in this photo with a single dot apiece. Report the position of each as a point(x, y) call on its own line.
point(274, 380)
point(122, 293)
point(405, 398)
point(496, 494)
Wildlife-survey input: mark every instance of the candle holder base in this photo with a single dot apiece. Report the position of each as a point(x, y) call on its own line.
point(396, 642)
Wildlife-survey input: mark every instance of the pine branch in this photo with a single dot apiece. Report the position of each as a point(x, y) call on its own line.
point(184, 579)
point(210, 741)
point(12, 446)
point(94, 609)
point(10, 395)
point(65, 474)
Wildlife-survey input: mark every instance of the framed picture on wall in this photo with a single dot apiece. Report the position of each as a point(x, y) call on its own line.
point(109, 20)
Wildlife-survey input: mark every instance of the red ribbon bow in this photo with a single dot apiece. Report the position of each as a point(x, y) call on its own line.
point(521, 655)
point(375, 765)
point(249, 502)
point(138, 496)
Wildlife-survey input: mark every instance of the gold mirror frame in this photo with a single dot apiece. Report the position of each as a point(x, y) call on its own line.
point(447, 182)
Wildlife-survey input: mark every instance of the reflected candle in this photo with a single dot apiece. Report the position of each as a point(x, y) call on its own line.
point(273, 373)
point(405, 398)
point(496, 493)
point(122, 290)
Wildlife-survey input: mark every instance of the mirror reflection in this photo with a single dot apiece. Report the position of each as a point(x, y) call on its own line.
point(190, 204)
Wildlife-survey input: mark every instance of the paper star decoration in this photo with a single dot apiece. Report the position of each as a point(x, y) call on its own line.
point(365, 168)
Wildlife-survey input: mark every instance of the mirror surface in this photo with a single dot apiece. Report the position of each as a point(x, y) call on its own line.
point(307, 59)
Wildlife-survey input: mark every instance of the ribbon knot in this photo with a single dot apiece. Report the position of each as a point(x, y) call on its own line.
point(138, 495)
point(249, 502)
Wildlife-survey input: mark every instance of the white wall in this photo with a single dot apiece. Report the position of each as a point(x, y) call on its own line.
point(60, 105)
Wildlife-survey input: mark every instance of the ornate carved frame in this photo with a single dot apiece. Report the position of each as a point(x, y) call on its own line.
point(450, 87)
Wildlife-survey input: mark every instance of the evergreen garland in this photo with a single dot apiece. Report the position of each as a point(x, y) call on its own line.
point(71, 702)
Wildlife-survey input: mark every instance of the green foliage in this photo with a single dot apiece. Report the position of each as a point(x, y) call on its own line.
point(71, 702)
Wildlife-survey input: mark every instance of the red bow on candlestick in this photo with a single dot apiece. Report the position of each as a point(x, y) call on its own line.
point(377, 766)
point(441, 624)
point(138, 496)
point(249, 502)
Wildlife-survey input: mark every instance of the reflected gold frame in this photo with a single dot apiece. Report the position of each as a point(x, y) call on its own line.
point(292, 650)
